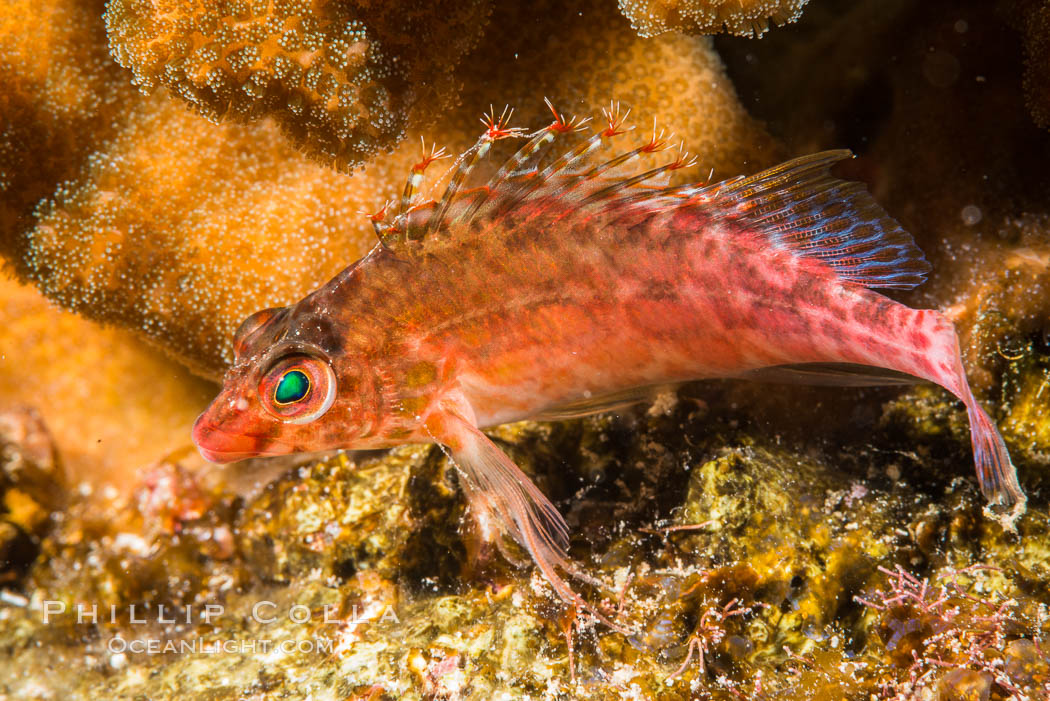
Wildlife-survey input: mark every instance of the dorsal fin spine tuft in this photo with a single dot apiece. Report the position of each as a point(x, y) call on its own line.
point(495, 130)
point(532, 151)
point(412, 231)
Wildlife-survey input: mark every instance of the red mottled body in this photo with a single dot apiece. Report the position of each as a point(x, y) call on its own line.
point(563, 285)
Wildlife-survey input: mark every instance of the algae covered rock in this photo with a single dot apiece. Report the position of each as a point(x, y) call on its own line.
point(32, 488)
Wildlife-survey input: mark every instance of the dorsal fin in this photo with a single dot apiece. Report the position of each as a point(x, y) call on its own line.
point(796, 206)
point(800, 207)
point(520, 179)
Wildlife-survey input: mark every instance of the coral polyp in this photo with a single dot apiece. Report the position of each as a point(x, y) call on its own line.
point(338, 77)
point(741, 17)
point(1033, 19)
point(60, 97)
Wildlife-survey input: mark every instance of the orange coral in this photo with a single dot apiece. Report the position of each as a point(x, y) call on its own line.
point(90, 385)
point(342, 78)
point(181, 228)
point(748, 18)
point(59, 98)
point(1032, 17)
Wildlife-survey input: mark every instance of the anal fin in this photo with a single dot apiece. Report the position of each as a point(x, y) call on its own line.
point(831, 375)
point(615, 401)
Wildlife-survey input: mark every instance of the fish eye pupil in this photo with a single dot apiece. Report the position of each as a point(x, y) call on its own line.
point(293, 387)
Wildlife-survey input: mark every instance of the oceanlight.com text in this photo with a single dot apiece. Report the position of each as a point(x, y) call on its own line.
point(262, 646)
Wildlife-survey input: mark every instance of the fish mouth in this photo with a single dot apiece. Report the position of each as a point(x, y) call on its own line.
point(222, 447)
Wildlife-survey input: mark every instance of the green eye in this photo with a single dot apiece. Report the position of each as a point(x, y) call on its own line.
point(294, 385)
point(298, 388)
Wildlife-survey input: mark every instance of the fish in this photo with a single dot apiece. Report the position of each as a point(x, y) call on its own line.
point(571, 281)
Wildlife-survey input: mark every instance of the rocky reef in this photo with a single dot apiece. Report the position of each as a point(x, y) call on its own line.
point(755, 541)
point(776, 568)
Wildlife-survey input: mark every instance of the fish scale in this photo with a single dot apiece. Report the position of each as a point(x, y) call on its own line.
point(568, 285)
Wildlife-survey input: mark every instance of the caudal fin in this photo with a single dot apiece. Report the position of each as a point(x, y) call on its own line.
point(995, 473)
point(944, 365)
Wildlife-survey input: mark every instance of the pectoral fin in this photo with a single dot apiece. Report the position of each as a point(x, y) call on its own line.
point(500, 493)
point(509, 495)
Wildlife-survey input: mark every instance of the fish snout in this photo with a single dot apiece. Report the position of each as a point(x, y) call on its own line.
point(219, 446)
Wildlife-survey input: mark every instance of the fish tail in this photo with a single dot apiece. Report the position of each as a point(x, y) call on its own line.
point(942, 363)
point(995, 472)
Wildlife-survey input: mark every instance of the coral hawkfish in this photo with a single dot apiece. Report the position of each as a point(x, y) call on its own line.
point(570, 283)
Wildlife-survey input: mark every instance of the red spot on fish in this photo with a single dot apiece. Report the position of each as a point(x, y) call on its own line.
point(919, 340)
